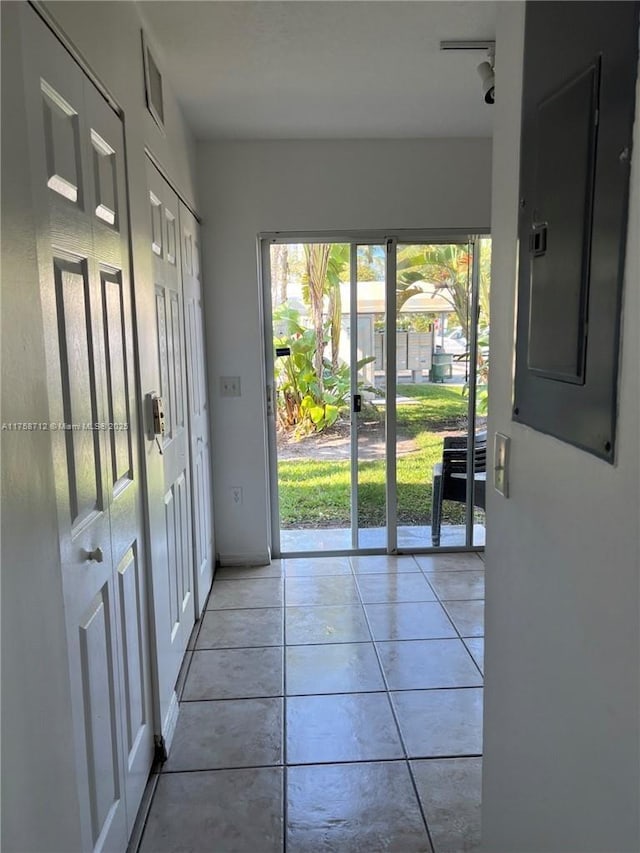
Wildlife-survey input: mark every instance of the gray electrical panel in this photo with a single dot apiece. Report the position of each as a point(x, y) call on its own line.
point(580, 69)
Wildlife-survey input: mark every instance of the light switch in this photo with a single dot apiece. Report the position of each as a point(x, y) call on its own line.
point(229, 386)
point(501, 464)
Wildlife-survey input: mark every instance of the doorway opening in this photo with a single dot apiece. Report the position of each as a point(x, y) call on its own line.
point(360, 430)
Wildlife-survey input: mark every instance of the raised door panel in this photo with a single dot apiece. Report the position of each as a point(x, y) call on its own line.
point(172, 527)
point(62, 144)
point(81, 390)
point(99, 678)
point(105, 178)
point(133, 633)
point(183, 546)
point(120, 436)
point(166, 391)
point(177, 362)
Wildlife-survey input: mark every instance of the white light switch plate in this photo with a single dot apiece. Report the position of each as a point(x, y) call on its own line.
point(229, 386)
point(501, 464)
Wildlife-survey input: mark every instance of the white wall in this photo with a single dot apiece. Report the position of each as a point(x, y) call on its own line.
point(40, 809)
point(561, 731)
point(250, 187)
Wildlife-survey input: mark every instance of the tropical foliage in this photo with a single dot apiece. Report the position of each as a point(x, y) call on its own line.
point(448, 266)
point(307, 400)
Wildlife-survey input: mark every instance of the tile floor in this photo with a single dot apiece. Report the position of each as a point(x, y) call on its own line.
point(330, 704)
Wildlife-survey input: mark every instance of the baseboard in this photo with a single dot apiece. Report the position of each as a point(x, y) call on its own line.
point(260, 558)
point(170, 722)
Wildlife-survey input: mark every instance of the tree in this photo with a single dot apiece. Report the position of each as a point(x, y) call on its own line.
point(279, 273)
point(447, 266)
point(326, 264)
point(317, 259)
point(336, 268)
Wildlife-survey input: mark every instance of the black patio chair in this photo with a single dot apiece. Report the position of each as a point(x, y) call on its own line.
point(450, 477)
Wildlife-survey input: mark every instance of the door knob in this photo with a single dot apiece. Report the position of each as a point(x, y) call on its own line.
point(95, 556)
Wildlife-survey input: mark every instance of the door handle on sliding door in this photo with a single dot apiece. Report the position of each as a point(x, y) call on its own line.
point(357, 402)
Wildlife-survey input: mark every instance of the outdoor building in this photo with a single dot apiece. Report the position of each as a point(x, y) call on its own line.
point(320, 426)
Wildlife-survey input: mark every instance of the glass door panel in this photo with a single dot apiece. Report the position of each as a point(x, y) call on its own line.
point(370, 389)
point(311, 367)
point(433, 294)
point(482, 379)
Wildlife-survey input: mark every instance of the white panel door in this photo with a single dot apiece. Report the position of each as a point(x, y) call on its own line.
point(203, 553)
point(79, 196)
point(173, 589)
point(111, 255)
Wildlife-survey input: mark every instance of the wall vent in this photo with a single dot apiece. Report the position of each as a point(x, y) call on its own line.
point(153, 84)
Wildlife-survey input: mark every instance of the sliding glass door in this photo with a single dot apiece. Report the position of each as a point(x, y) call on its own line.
point(376, 363)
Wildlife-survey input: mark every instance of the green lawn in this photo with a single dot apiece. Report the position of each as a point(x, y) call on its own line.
point(316, 493)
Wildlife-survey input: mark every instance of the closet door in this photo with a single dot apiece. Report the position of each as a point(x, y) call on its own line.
point(111, 257)
point(173, 589)
point(203, 552)
point(79, 197)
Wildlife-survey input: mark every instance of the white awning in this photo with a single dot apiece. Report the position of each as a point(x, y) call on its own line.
point(371, 296)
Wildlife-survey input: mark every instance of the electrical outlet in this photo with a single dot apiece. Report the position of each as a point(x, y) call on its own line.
point(236, 495)
point(229, 386)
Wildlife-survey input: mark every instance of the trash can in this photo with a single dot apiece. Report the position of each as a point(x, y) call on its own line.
point(441, 366)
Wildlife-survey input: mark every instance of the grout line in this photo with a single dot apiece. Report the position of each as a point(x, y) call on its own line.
point(240, 648)
point(464, 640)
point(323, 604)
point(285, 807)
point(334, 693)
point(339, 762)
point(334, 604)
point(232, 767)
point(317, 575)
point(236, 648)
point(331, 642)
point(420, 806)
point(386, 684)
point(245, 607)
point(232, 698)
point(260, 607)
point(397, 760)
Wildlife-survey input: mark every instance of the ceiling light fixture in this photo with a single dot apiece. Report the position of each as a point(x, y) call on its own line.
point(486, 69)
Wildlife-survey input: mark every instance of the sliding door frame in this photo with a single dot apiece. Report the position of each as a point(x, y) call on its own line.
point(390, 239)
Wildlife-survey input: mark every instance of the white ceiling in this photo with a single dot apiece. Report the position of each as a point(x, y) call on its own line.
point(323, 70)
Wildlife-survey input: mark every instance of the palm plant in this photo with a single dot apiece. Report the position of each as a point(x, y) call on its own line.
point(445, 265)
